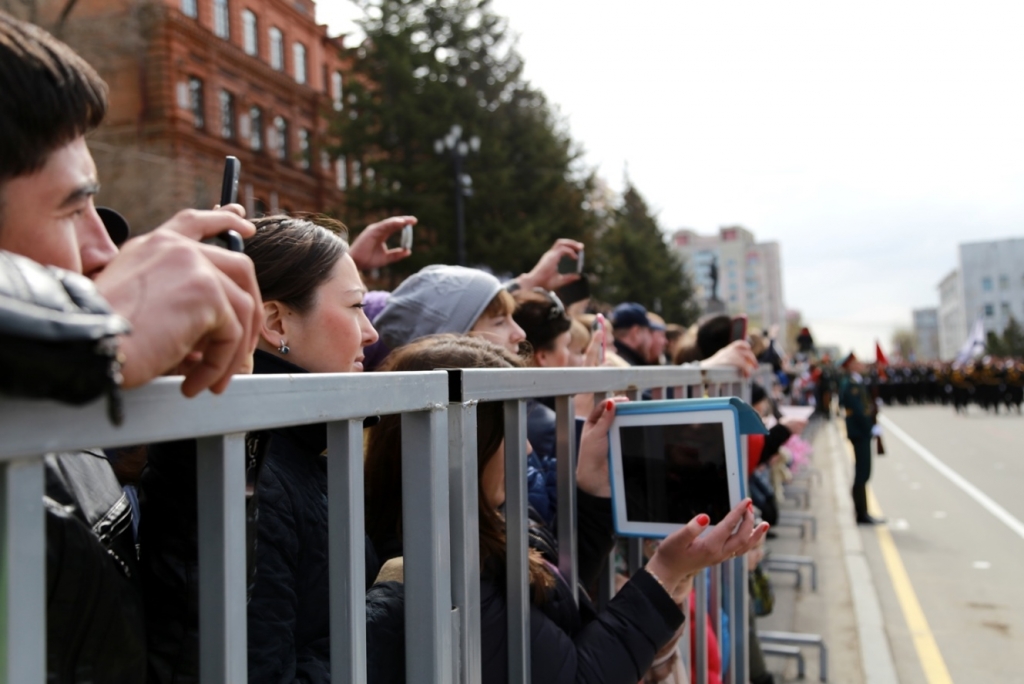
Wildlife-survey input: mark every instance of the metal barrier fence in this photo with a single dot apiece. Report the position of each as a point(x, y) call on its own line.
point(439, 501)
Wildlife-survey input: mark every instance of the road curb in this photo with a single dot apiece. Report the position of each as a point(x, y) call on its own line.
point(876, 654)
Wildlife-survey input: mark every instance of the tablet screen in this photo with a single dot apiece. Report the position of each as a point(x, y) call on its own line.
point(674, 472)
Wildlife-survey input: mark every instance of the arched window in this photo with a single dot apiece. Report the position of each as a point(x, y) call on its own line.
point(299, 59)
point(256, 128)
point(250, 40)
point(337, 92)
point(281, 137)
point(276, 49)
point(221, 19)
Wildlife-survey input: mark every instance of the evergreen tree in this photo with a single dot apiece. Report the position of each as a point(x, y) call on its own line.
point(1010, 343)
point(635, 264)
point(424, 67)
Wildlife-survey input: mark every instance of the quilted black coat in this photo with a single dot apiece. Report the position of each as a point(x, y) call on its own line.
point(289, 616)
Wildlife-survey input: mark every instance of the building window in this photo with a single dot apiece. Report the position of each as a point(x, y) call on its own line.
point(190, 8)
point(1004, 282)
point(341, 173)
point(986, 284)
point(299, 60)
point(221, 19)
point(256, 128)
point(357, 174)
point(227, 115)
point(249, 33)
point(276, 49)
point(305, 154)
point(195, 101)
point(337, 93)
point(990, 310)
point(281, 137)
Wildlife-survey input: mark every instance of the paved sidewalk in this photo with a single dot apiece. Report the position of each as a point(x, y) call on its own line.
point(830, 611)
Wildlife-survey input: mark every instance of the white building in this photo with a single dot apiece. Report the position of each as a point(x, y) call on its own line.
point(749, 273)
point(952, 324)
point(987, 285)
point(926, 334)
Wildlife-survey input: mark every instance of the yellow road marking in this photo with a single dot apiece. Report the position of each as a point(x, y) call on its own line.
point(928, 652)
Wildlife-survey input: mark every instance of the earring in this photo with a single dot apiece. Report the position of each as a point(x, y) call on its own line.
point(283, 348)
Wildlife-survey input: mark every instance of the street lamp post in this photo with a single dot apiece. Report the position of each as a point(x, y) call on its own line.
point(459, 149)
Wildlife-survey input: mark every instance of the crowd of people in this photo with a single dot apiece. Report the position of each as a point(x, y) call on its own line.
point(87, 311)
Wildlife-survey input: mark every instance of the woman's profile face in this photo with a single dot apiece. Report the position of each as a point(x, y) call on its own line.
point(558, 355)
point(329, 338)
point(501, 330)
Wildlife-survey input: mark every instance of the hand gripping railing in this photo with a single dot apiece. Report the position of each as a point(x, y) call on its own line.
point(514, 387)
point(159, 413)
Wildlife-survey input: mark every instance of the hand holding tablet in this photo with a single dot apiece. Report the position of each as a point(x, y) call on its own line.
point(688, 550)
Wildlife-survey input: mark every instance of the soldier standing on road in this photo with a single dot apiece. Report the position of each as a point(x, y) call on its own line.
point(856, 400)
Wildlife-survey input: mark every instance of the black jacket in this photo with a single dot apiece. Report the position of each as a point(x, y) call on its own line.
point(286, 552)
point(94, 624)
point(289, 616)
point(568, 645)
point(629, 355)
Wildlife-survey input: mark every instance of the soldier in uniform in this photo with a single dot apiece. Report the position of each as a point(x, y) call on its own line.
point(859, 406)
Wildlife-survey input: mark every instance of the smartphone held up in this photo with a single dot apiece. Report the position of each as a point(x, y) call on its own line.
point(229, 239)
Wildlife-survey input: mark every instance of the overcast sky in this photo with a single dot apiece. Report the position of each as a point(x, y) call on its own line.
point(868, 139)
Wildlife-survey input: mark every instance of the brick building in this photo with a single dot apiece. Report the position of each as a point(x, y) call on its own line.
point(194, 80)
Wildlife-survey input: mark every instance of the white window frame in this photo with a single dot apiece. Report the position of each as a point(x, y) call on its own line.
point(250, 33)
point(276, 49)
point(222, 19)
point(299, 66)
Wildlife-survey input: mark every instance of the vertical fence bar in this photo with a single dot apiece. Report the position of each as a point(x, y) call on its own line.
point(223, 642)
point(565, 454)
point(634, 554)
point(715, 601)
point(741, 613)
point(463, 498)
point(22, 572)
point(700, 623)
point(606, 580)
point(516, 528)
point(729, 604)
point(425, 541)
point(346, 549)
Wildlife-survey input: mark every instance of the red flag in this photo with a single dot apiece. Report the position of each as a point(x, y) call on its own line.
point(880, 359)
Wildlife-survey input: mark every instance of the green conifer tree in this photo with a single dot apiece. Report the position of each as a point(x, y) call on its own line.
point(635, 264)
point(426, 66)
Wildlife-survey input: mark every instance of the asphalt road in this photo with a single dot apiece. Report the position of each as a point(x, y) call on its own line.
point(965, 565)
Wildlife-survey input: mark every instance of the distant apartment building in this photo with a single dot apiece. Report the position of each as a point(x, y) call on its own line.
point(749, 272)
point(192, 81)
point(988, 285)
point(926, 334)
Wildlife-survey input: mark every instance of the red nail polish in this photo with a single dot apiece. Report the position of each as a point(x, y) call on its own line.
point(703, 519)
point(609, 405)
point(750, 505)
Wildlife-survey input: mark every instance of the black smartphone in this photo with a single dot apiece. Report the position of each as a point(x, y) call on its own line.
point(576, 291)
point(739, 328)
point(568, 265)
point(229, 239)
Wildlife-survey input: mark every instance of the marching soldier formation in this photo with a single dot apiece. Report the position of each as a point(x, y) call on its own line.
point(989, 382)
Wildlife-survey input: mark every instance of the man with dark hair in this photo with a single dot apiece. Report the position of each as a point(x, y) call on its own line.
point(193, 308)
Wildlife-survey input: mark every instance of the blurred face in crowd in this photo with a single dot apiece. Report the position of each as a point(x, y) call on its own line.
point(330, 336)
point(557, 355)
point(49, 215)
point(638, 338)
point(501, 330)
point(658, 342)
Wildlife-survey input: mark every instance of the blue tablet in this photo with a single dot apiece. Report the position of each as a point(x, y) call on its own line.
point(672, 460)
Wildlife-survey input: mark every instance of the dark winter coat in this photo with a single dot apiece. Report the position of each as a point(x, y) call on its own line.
point(94, 622)
point(289, 617)
point(569, 645)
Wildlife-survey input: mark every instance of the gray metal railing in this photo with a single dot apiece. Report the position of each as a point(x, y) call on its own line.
point(439, 471)
point(514, 387)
